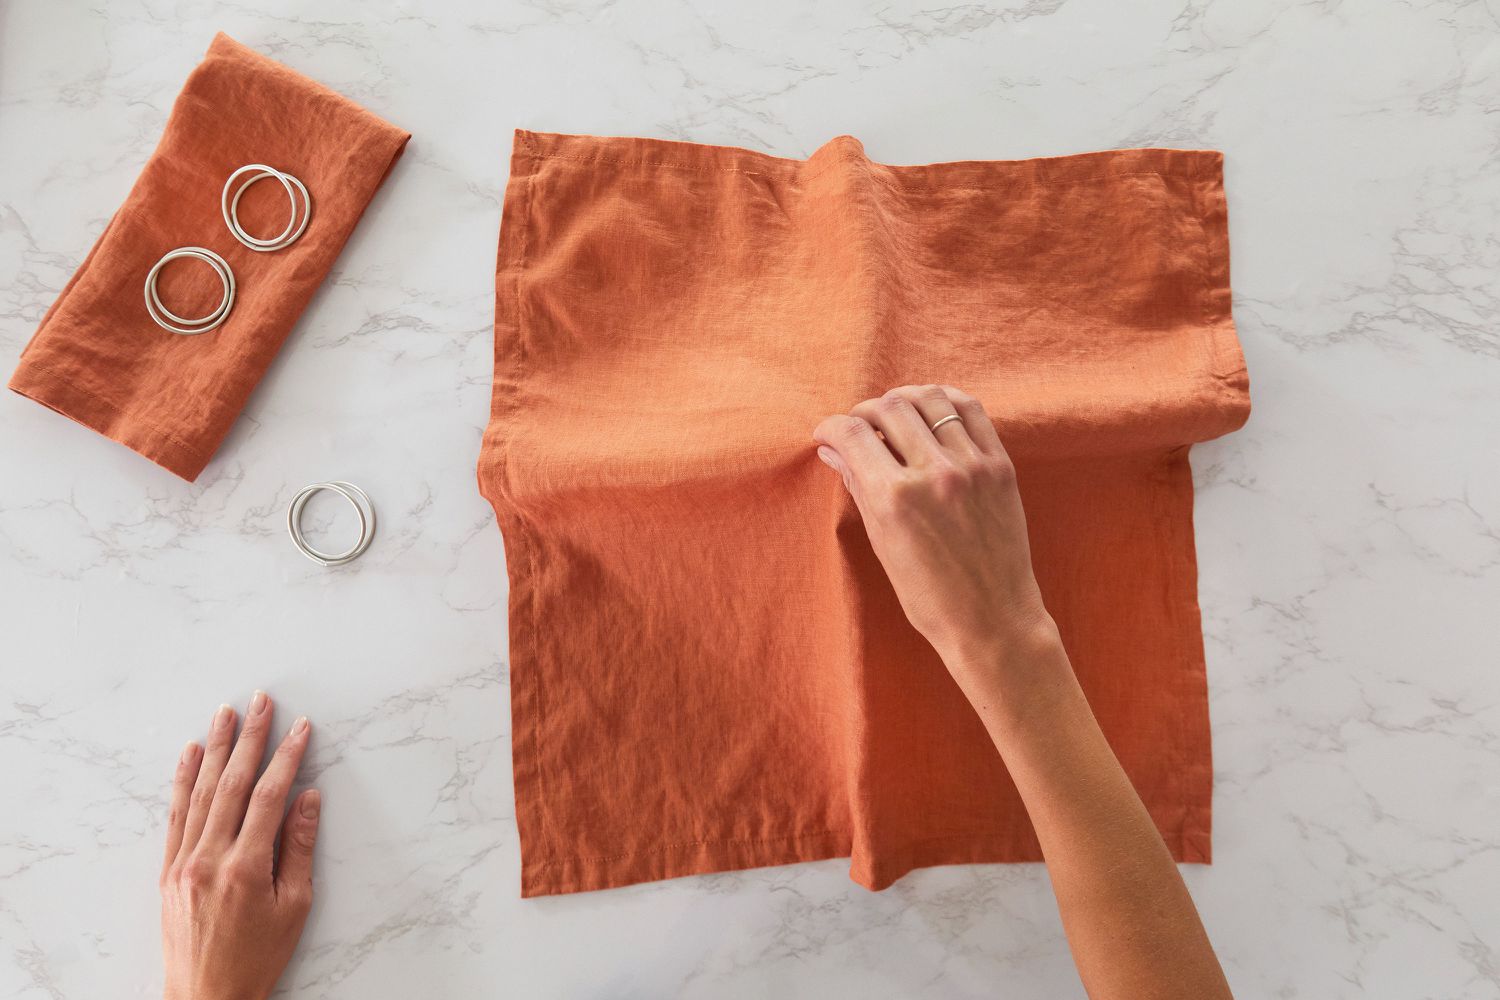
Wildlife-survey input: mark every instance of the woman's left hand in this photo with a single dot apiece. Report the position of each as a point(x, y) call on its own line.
point(233, 906)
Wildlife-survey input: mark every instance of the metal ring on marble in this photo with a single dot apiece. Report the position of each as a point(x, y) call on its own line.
point(166, 318)
point(362, 506)
point(230, 206)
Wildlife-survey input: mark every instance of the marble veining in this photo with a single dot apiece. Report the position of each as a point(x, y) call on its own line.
point(1349, 536)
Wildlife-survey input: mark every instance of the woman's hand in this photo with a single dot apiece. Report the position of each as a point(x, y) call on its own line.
point(943, 516)
point(233, 906)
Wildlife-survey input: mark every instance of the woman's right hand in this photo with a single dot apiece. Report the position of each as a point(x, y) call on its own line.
point(943, 514)
point(944, 517)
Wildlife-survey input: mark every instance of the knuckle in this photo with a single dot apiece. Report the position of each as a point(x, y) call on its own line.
point(231, 783)
point(949, 480)
point(242, 872)
point(269, 793)
point(196, 873)
point(846, 426)
point(999, 471)
point(303, 836)
point(203, 795)
point(893, 401)
point(959, 396)
point(299, 895)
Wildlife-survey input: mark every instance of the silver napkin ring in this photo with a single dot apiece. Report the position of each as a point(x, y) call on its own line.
point(229, 204)
point(166, 318)
point(362, 506)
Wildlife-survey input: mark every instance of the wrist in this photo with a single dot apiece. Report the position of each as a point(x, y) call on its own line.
point(996, 654)
point(1012, 666)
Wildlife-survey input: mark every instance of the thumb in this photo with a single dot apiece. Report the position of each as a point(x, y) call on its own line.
point(299, 832)
point(835, 461)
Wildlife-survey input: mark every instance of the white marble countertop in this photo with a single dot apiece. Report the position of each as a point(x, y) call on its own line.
point(1349, 536)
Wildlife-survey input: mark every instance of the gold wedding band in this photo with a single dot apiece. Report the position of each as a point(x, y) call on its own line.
point(951, 416)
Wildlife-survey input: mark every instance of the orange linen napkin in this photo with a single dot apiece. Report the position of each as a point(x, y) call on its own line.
point(709, 670)
point(100, 359)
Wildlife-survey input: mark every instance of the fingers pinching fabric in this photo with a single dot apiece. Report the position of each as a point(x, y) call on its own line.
point(709, 669)
point(169, 379)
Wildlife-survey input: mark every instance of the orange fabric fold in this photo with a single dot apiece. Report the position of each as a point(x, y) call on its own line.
point(100, 359)
point(709, 669)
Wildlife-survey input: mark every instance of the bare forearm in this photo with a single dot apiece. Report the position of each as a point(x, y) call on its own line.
point(1131, 925)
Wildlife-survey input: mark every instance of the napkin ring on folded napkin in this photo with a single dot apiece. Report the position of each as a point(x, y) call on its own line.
point(230, 206)
point(168, 320)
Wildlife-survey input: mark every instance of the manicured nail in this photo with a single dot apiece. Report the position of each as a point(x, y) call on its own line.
point(311, 801)
point(258, 703)
point(189, 752)
point(223, 716)
point(299, 727)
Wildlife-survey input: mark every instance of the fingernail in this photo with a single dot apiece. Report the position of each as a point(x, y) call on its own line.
point(299, 726)
point(189, 752)
point(311, 803)
point(826, 457)
point(258, 703)
point(222, 716)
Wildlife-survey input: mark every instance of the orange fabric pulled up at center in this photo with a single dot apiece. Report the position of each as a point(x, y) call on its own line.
point(709, 669)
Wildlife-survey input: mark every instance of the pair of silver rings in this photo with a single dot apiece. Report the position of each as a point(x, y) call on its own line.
point(295, 226)
point(229, 205)
point(166, 318)
point(362, 506)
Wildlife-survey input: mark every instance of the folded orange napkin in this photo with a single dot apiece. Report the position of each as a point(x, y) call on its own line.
point(100, 359)
point(709, 669)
